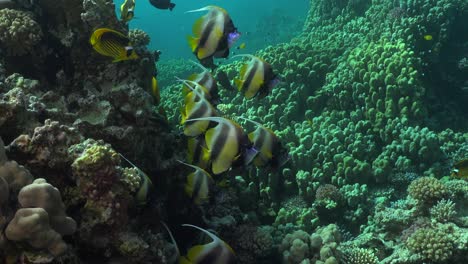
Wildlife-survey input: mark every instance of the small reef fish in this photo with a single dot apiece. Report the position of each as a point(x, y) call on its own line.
point(206, 79)
point(460, 169)
point(271, 151)
point(195, 147)
point(194, 89)
point(256, 77)
point(141, 195)
point(214, 33)
point(127, 10)
point(162, 4)
point(198, 182)
point(215, 252)
point(241, 46)
point(427, 37)
point(155, 90)
point(196, 106)
point(226, 143)
point(113, 44)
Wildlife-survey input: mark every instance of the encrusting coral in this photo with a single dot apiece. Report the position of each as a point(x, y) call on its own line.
point(371, 106)
point(40, 218)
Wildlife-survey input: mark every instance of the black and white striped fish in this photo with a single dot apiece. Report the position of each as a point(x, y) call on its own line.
point(256, 77)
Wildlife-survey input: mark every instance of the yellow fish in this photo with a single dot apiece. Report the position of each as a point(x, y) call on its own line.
point(127, 10)
point(155, 90)
point(196, 106)
point(113, 44)
point(214, 34)
point(198, 183)
point(206, 79)
point(460, 169)
point(226, 143)
point(195, 147)
point(215, 252)
point(427, 37)
point(267, 143)
point(256, 77)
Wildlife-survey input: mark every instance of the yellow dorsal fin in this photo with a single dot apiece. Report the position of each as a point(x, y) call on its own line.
point(198, 27)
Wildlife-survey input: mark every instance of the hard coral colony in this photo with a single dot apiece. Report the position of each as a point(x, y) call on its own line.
point(347, 143)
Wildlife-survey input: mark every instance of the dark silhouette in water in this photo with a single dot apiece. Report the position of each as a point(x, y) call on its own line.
point(162, 4)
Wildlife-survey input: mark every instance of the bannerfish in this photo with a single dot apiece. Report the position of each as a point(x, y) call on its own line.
point(460, 169)
point(196, 107)
point(214, 33)
point(225, 144)
point(198, 182)
point(206, 79)
point(195, 146)
point(127, 10)
point(215, 252)
point(192, 89)
point(113, 44)
point(256, 77)
point(141, 195)
point(162, 4)
point(271, 151)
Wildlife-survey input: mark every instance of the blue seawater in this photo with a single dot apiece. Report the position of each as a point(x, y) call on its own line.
point(261, 22)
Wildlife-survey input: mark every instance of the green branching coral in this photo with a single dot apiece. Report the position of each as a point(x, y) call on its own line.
point(19, 33)
point(443, 211)
point(95, 157)
point(131, 178)
point(359, 256)
point(427, 190)
point(431, 244)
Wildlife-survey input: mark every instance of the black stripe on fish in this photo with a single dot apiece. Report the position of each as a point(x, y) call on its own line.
point(206, 34)
point(251, 71)
point(212, 256)
point(197, 154)
point(116, 38)
point(219, 141)
point(261, 140)
point(197, 183)
point(200, 110)
point(110, 48)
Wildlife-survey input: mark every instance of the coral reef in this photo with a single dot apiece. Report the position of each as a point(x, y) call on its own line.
point(371, 106)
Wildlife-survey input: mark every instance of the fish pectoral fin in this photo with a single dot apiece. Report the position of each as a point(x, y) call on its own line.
point(193, 42)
